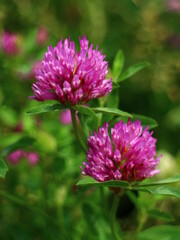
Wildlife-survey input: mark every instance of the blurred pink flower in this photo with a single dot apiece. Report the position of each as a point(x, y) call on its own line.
point(19, 154)
point(65, 117)
point(16, 156)
point(128, 155)
point(173, 5)
point(9, 44)
point(42, 35)
point(32, 157)
point(72, 77)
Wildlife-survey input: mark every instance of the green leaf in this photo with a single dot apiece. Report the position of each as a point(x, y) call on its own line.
point(46, 108)
point(113, 111)
point(88, 181)
point(118, 64)
point(145, 121)
point(163, 232)
point(21, 143)
point(162, 182)
point(86, 111)
point(8, 116)
point(156, 213)
point(115, 85)
point(132, 70)
point(3, 168)
point(164, 190)
point(112, 100)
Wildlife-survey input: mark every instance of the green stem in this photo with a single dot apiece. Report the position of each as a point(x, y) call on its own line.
point(113, 218)
point(75, 126)
point(143, 218)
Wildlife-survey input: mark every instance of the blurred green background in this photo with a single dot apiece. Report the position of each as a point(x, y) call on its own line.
point(144, 30)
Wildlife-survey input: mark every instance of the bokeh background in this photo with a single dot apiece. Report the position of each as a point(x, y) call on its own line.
point(39, 200)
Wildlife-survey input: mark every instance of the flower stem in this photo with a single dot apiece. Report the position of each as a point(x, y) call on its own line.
point(78, 137)
point(142, 221)
point(113, 218)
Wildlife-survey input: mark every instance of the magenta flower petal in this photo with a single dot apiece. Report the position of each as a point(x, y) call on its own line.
point(72, 77)
point(129, 154)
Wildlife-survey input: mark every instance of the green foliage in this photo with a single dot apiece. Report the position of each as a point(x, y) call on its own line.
point(145, 121)
point(43, 108)
point(173, 179)
point(165, 190)
point(157, 214)
point(129, 72)
point(113, 111)
point(3, 168)
point(86, 111)
point(8, 115)
point(21, 143)
point(118, 65)
point(88, 181)
point(162, 232)
point(149, 188)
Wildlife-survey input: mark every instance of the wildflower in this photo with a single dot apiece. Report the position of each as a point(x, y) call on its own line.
point(128, 155)
point(9, 44)
point(42, 35)
point(32, 157)
point(173, 5)
point(16, 156)
point(72, 77)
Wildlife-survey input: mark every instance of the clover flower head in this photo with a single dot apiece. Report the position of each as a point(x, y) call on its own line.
point(16, 156)
point(72, 77)
point(42, 35)
point(9, 43)
point(173, 5)
point(32, 158)
point(129, 154)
